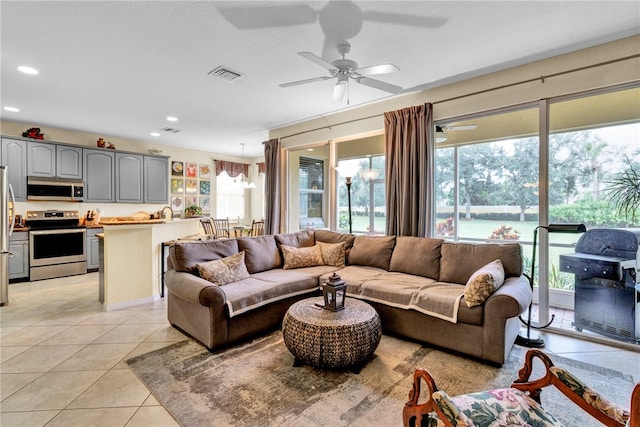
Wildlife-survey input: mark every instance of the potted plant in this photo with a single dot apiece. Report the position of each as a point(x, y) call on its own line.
point(192, 211)
point(624, 193)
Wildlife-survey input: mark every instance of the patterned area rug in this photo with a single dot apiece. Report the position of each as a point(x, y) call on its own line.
point(256, 384)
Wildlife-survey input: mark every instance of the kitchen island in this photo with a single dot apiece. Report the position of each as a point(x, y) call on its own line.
point(131, 259)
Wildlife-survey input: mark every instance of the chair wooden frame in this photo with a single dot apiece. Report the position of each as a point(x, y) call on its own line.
point(257, 228)
point(413, 411)
point(207, 225)
point(221, 227)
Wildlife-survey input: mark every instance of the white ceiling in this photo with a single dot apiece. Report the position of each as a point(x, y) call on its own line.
point(120, 67)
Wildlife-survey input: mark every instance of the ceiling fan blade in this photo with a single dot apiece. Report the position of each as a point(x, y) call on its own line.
point(314, 58)
point(338, 91)
point(251, 15)
point(377, 69)
point(377, 84)
point(461, 127)
point(305, 81)
point(402, 19)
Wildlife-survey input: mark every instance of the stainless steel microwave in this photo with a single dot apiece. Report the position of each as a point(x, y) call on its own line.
point(60, 189)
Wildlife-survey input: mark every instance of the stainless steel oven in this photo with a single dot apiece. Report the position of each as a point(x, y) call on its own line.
point(57, 244)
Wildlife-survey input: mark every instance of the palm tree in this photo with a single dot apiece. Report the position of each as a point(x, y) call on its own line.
point(593, 149)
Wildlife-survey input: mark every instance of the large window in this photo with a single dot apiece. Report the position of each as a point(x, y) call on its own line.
point(367, 196)
point(230, 198)
point(490, 184)
point(311, 182)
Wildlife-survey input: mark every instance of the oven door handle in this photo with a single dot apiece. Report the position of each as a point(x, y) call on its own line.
point(58, 231)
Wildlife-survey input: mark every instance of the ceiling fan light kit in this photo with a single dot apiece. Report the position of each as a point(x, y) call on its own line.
point(344, 69)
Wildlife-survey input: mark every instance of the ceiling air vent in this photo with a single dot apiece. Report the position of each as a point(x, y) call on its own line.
point(225, 73)
point(172, 130)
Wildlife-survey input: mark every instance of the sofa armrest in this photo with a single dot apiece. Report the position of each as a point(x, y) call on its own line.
point(195, 289)
point(511, 299)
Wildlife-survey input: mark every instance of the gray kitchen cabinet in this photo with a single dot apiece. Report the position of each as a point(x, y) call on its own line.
point(54, 160)
point(93, 252)
point(13, 154)
point(98, 169)
point(19, 262)
point(156, 179)
point(41, 159)
point(129, 176)
point(68, 162)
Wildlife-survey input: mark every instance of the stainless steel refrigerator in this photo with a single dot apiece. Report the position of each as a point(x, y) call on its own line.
point(7, 218)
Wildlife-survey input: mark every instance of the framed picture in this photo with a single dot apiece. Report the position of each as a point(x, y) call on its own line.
point(177, 186)
point(192, 170)
point(205, 188)
point(177, 169)
point(205, 203)
point(191, 186)
point(190, 200)
point(205, 171)
point(177, 203)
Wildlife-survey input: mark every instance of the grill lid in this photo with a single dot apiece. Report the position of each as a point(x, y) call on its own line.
point(610, 242)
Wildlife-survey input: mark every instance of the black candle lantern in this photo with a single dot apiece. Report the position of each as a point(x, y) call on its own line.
point(334, 291)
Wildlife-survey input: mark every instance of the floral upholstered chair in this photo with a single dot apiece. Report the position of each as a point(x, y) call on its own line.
point(518, 405)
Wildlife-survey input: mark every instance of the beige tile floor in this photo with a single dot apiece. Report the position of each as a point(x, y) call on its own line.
point(62, 357)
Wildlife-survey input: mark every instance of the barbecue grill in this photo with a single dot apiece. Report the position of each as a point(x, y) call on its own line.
point(606, 263)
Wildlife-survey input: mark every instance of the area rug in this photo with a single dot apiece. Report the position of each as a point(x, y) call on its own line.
point(256, 384)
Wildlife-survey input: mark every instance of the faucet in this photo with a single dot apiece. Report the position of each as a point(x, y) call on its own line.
point(163, 214)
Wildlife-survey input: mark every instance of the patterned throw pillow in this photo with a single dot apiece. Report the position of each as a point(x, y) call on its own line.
point(301, 257)
point(483, 283)
point(224, 270)
point(332, 253)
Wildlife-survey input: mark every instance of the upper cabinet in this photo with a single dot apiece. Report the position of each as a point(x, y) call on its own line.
point(129, 176)
point(55, 161)
point(13, 154)
point(98, 166)
point(156, 179)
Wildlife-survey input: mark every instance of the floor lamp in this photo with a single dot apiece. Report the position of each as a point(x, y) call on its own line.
point(534, 340)
point(348, 170)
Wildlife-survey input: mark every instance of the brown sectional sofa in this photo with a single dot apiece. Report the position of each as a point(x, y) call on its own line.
point(412, 282)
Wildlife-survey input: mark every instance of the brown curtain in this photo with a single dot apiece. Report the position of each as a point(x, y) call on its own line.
point(232, 169)
point(272, 186)
point(262, 167)
point(409, 164)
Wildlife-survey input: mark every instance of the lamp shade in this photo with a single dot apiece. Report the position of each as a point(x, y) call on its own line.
point(348, 169)
point(566, 228)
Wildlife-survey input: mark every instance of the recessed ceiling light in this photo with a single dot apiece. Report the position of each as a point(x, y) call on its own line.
point(155, 134)
point(27, 70)
point(309, 149)
point(12, 109)
point(172, 119)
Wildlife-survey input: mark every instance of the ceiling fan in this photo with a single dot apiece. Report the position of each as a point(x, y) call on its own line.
point(442, 130)
point(344, 69)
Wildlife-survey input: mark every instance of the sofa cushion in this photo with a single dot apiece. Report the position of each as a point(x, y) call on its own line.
point(460, 260)
point(185, 255)
point(332, 253)
point(355, 276)
point(372, 251)
point(224, 270)
point(483, 283)
point(301, 257)
point(328, 236)
point(261, 253)
point(251, 293)
point(417, 255)
point(299, 239)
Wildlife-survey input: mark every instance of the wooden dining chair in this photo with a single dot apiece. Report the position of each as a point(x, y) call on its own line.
point(257, 228)
point(221, 227)
point(207, 225)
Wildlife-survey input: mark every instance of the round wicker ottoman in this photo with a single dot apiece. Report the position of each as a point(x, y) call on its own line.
point(319, 337)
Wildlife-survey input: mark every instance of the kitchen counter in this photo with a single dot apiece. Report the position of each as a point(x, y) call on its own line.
point(132, 263)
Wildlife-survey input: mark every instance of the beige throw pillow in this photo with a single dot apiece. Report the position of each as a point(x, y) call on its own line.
point(301, 257)
point(483, 283)
point(332, 253)
point(224, 270)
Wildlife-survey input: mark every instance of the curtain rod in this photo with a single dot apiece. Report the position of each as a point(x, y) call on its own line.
point(541, 78)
